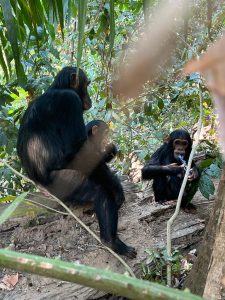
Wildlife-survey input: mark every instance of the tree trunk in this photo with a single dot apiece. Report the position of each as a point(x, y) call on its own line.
point(207, 277)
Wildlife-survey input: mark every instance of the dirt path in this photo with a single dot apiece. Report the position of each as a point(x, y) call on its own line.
point(141, 224)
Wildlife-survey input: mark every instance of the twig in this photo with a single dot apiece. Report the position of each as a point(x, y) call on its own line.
point(47, 207)
point(171, 220)
point(54, 198)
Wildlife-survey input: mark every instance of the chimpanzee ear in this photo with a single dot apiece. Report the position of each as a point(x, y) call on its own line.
point(167, 139)
point(94, 129)
point(74, 81)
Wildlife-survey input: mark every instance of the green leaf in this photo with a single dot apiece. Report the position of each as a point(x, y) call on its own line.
point(7, 198)
point(60, 13)
point(206, 163)
point(9, 210)
point(148, 108)
point(38, 16)
point(3, 65)
point(160, 104)
point(26, 13)
point(37, 12)
point(82, 10)
point(213, 171)
point(12, 37)
point(206, 186)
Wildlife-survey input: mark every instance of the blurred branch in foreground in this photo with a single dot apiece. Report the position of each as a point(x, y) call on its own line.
point(212, 66)
point(152, 50)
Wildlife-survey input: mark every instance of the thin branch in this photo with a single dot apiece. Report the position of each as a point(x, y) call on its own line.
point(171, 220)
point(47, 207)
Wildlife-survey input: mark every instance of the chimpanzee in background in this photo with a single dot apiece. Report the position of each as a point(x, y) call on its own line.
point(56, 153)
point(167, 170)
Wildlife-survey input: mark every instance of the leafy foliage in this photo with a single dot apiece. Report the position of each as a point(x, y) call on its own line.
point(46, 38)
point(155, 266)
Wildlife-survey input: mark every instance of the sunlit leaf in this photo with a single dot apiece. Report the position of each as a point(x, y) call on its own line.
point(7, 199)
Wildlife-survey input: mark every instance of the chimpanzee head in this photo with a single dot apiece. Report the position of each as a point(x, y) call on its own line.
point(98, 130)
point(67, 79)
point(181, 143)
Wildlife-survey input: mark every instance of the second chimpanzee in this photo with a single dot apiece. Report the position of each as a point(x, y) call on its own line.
point(100, 130)
point(56, 153)
point(166, 168)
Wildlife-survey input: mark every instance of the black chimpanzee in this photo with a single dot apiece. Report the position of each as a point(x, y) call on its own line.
point(166, 168)
point(56, 153)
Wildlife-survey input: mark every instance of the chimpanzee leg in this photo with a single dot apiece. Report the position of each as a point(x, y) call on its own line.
point(107, 214)
point(103, 176)
point(86, 190)
point(159, 189)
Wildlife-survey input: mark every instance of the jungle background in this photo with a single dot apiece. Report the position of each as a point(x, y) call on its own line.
point(38, 38)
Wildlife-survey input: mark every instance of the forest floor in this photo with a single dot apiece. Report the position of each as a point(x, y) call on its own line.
point(142, 224)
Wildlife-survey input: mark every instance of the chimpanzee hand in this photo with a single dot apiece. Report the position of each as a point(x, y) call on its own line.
point(193, 174)
point(173, 169)
point(110, 152)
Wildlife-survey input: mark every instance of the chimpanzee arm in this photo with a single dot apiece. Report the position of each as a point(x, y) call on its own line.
point(151, 171)
point(155, 168)
point(194, 172)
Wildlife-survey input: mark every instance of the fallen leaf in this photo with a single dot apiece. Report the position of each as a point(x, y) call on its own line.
point(10, 281)
point(5, 287)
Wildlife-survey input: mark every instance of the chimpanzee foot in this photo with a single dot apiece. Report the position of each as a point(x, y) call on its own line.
point(121, 248)
point(170, 202)
point(190, 209)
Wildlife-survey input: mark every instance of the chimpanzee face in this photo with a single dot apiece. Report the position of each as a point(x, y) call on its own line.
point(179, 147)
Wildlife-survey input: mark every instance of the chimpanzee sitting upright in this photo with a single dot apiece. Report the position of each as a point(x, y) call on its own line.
point(167, 170)
point(56, 153)
point(100, 130)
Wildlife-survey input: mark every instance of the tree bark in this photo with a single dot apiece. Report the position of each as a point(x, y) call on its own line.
point(207, 275)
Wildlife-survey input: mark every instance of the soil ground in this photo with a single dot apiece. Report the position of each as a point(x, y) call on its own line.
point(142, 224)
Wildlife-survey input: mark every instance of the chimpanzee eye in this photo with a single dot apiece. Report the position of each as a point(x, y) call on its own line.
point(185, 143)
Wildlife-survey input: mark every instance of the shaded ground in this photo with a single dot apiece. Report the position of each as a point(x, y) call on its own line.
point(141, 224)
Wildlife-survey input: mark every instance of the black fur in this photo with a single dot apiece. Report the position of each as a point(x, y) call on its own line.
point(167, 180)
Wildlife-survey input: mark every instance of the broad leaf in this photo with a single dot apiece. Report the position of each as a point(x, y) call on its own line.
point(206, 186)
point(213, 171)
